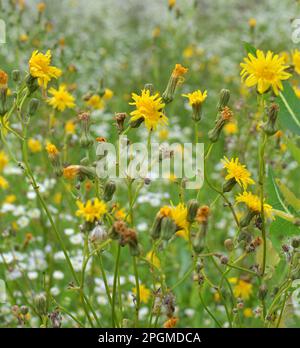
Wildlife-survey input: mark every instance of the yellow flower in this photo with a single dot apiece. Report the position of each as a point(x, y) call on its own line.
point(253, 202)
point(96, 102)
point(52, 150)
point(252, 22)
point(296, 60)
point(3, 160)
point(196, 98)
point(70, 127)
point(179, 71)
point(237, 171)
point(120, 214)
point(242, 289)
point(144, 293)
point(265, 71)
point(179, 215)
point(61, 99)
point(10, 199)
point(3, 183)
point(149, 107)
point(163, 134)
point(41, 6)
point(171, 3)
point(108, 94)
point(39, 67)
point(152, 258)
point(23, 37)
point(297, 91)
point(57, 198)
point(188, 52)
point(3, 79)
point(230, 128)
point(70, 172)
point(248, 313)
point(34, 145)
point(91, 210)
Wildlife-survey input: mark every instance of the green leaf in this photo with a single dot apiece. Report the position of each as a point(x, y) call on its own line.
point(249, 48)
point(289, 113)
point(288, 195)
point(280, 227)
point(294, 149)
point(272, 257)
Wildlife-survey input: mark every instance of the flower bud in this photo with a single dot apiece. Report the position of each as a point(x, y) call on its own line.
point(224, 116)
point(175, 78)
point(228, 185)
point(16, 75)
point(168, 228)
point(24, 310)
point(229, 245)
point(156, 228)
point(109, 190)
point(198, 242)
point(85, 139)
point(192, 208)
point(224, 260)
point(40, 302)
point(269, 127)
point(223, 99)
point(33, 106)
point(120, 119)
point(296, 242)
point(262, 292)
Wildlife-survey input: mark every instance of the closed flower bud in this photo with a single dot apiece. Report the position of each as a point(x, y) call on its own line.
point(40, 302)
point(262, 292)
point(224, 260)
point(296, 242)
point(224, 116)
point(109, 190)
point(24, 310)
point(156, 228)
point(269, 127)
point(33, 106)
point(168, 228)
point(16, 75)
point(120, 119)
point(223, 99)
point(229, 245)
point(192, 208)
point(135, 249)
point(198, 242)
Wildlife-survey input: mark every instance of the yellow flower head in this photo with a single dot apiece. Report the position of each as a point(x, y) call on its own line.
point(70, 172)
point(10, 199)
point(265, 71)
point(34, 145)
point(70, 127)
point(41, 6)
point(92, 210)
point(230, 128)
point(252, 22)
point(242, 289)
point(196, 98)
point(237, 171)
point(144, 293)
point(61, 99)
point(170, 323)
point(296, 61)
point(3, 79)
point(52, 150)
point(248, 313)
point(3, 160)
point(149, 107)
point(179, 215)
point(3, 183)
point(179, 71)
point(108, 94)
point(39, 67)
point(96, 102)
point(253, 202)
